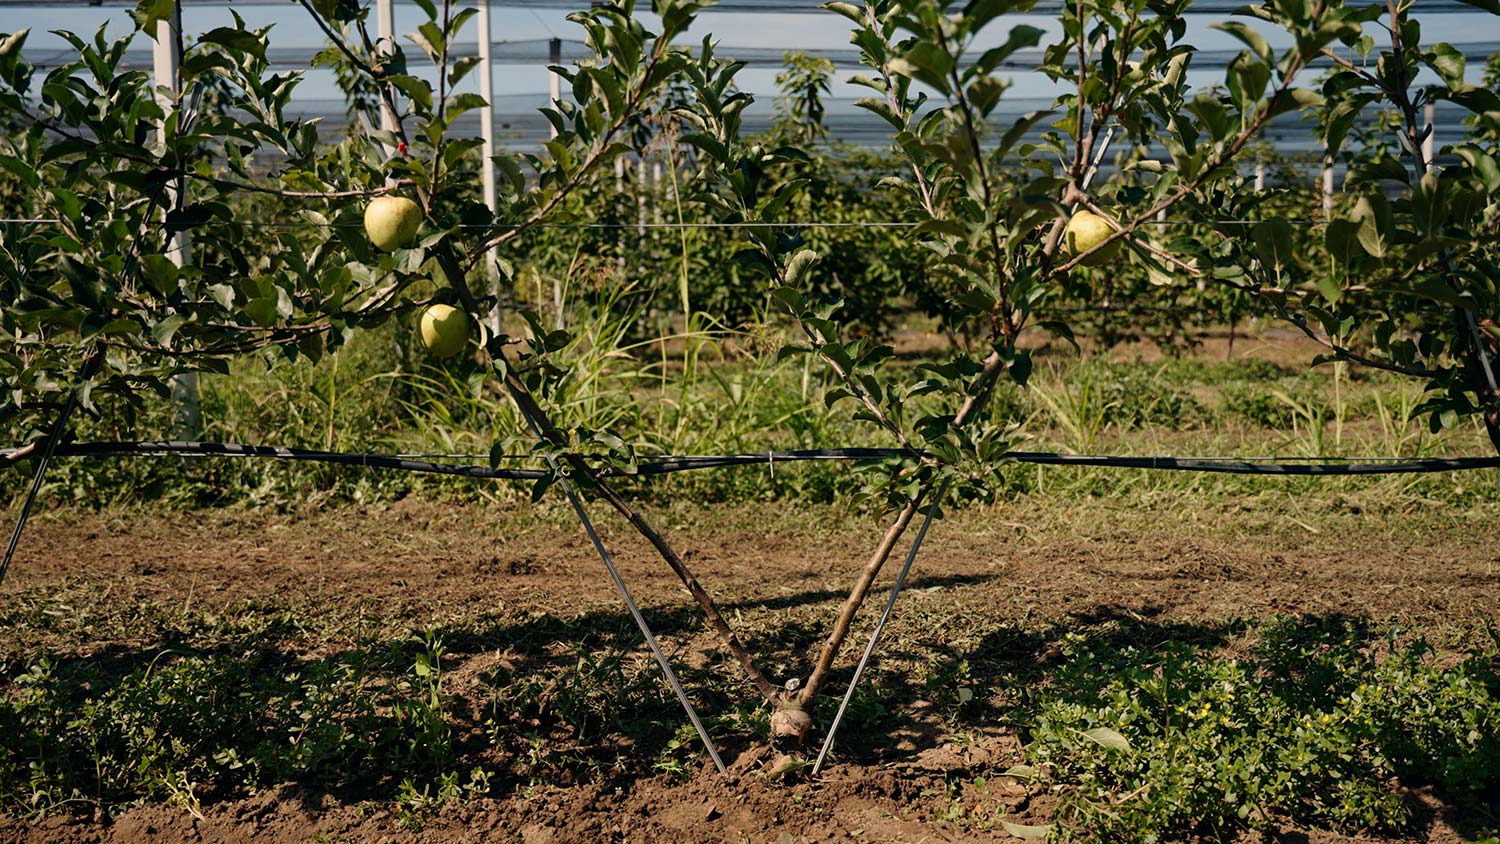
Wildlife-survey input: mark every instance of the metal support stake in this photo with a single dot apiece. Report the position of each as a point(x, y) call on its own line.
point(1109, 137)
point(635, 612)
point(640, 620)
point(859, 670)
point(36, 480)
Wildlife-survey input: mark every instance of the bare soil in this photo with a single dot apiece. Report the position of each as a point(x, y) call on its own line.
point(1017, 576)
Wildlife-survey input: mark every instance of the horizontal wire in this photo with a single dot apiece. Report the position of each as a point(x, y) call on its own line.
point(667, 464)
point(849, 453)
point(746, 225)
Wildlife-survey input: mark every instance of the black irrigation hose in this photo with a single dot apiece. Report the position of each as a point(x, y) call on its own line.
point(668, 464)
point(201, 449)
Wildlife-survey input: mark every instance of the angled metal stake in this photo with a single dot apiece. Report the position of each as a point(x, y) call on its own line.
point(635, 612)
point(640, 620)
point(911, 556)
point(36, 479)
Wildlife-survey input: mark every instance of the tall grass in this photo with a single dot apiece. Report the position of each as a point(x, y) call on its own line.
point(694, 387)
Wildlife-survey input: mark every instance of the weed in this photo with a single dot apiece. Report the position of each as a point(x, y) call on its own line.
point(679, 758)
point(188, 724)
point(1312, 728)
point(415, 808)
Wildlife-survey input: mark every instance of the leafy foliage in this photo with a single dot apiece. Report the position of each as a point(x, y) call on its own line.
point(1312, 730)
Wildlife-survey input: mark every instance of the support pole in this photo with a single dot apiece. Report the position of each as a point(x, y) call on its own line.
point(385, 22)
point(554, 82)
point(642, 182)
point(1260, 176)
point(656, 190)
point(487, 165)
point(166, 61)
point(635, 613)
point(1429, 145)
point(58, 427)
point(1327, 182)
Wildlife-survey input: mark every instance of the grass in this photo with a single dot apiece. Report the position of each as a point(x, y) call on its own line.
point(733, 395)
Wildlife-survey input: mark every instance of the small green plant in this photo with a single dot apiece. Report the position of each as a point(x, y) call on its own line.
point(415, 807)
point(1151, 745)
point(679, 758)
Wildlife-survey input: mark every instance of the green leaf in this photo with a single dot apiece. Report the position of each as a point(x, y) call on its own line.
point(848, 10)
point(928, 63)
point(1373, 216)
point(1027, 831)
point(1342, 241)
point(984, 93)
point(262, 311)
point(1273, 245)
point(1021, 772)
point(150, 12)
point(460, 103)
point(10, 46)
point(416, 89)
point(1295, 99)
point(164, 331)
point(235, 40)
point(1105, 737)
point(1252, 39)
point(1448, 61)
point(20, 170)
point(1020, 38)
point(798, 267)
point(1482, 163)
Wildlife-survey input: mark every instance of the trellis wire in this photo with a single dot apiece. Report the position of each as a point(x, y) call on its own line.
point(669, 463)
point(872, 224)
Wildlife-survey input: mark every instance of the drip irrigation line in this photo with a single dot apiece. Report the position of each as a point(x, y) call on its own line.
point(274, 224)
point(204, 449)
point(799, 224)
point(1216, 8)
point(668, 464)
point(885, 615)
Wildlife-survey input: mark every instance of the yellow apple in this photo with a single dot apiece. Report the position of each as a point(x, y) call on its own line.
point(1085, 231)
point(444, 330)
point(392, 221)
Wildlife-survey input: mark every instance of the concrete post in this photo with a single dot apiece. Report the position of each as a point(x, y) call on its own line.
point(487, 164)
point(554, 86)
point(1429, 146)
point(166, 61)
point(385, 22)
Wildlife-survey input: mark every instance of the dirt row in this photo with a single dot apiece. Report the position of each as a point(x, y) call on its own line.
point(1169, 566)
